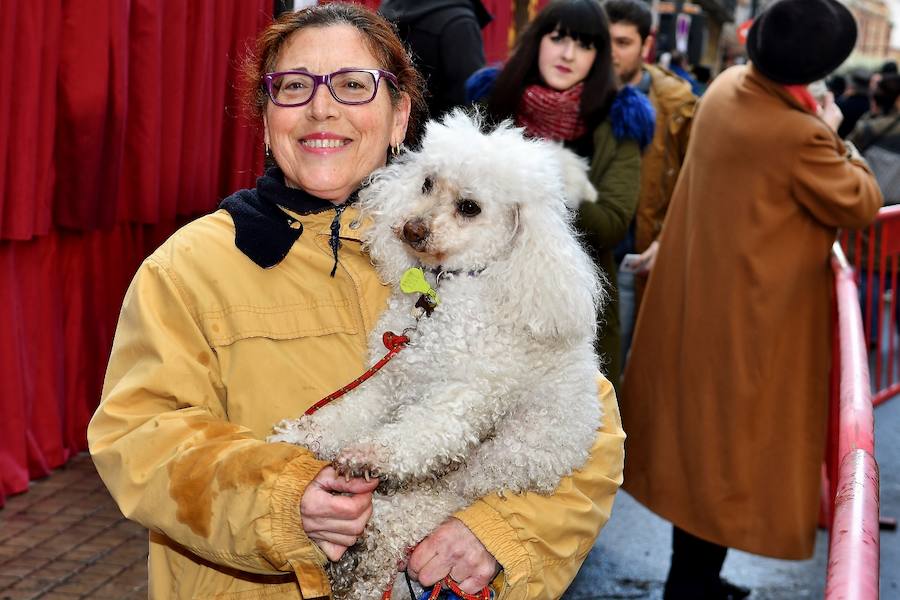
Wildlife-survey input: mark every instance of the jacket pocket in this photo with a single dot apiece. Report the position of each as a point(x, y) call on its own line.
point(283, 322)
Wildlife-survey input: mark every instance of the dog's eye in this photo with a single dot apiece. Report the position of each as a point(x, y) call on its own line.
point(427, 185)
point(468, 208)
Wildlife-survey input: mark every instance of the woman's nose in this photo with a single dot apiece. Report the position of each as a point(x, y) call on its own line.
point(569, 50)
point(323, 105)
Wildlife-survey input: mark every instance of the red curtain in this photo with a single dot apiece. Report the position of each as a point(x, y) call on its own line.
point(497, 34)
point(119, 120)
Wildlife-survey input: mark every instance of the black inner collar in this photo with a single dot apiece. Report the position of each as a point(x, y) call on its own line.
point(263, 231)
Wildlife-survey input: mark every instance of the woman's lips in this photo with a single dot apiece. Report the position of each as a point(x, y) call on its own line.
point(563, 69)
point(324, 143)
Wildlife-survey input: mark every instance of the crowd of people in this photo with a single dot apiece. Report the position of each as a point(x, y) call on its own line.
point(713, 228)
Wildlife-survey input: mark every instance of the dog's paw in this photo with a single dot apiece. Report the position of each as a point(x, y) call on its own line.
point(362, 460)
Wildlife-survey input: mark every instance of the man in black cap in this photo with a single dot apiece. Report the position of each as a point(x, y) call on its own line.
point(444, 37)
point(725, 396)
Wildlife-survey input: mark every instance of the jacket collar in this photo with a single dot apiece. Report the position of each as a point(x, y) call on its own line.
point(777, 90)
point(270, 218)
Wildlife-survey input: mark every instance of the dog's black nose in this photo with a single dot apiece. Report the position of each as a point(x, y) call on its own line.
point(415, 232)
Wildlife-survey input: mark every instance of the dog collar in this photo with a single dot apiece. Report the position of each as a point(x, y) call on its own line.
point(439, 272)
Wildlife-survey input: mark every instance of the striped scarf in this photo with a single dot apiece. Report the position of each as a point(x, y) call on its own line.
point(551, 115)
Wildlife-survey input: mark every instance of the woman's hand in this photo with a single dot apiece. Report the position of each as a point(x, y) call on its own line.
point(830, 113)
point(452, 549)
point(648, 256)
point(335, 511)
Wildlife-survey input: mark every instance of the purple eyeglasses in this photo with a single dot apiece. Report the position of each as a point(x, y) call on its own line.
point(347, 86)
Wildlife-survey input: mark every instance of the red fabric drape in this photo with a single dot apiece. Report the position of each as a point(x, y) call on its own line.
point(118, 121)
point(29, 55)
point(497, 34)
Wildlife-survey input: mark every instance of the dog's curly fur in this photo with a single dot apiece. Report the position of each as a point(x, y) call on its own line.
point(496, 391)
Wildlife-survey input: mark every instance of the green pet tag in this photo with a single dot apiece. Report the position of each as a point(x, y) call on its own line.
point(413, 282)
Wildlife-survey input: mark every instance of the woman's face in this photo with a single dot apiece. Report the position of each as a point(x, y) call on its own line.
point(356, 137)
point(564, 62)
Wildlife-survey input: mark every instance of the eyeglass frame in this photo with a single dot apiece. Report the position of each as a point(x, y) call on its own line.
point(378, 74)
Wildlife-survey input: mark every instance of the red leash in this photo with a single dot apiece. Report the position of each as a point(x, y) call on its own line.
point(446, 583)
point(393, 342)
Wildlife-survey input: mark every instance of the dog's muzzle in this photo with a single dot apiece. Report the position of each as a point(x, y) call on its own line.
point(415, 233)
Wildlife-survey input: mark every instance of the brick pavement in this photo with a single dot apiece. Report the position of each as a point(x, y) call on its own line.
point(65, 539)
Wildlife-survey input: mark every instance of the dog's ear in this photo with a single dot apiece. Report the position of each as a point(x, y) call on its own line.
point(577, 186)
point(553, 285)
point(380, 204)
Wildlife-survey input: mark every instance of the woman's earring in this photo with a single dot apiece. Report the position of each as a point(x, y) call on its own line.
point(268, 151)
point(397, 149)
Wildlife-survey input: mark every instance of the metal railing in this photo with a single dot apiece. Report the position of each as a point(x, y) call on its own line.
point(854, 543)
point(875, 254)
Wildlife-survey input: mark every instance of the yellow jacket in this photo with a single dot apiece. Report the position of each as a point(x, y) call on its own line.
point(212, 350)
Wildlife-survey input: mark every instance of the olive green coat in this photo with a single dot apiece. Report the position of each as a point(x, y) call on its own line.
point(615, 170)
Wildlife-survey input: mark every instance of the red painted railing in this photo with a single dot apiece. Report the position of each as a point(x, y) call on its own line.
point(853, 552)
point(875, 255)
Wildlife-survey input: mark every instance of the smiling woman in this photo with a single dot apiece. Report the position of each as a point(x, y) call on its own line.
point(323, 143)
point(250, 315)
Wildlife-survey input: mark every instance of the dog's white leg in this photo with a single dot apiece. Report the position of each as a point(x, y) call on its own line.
point(428, 436)
point(538, 443)
point(338, 424)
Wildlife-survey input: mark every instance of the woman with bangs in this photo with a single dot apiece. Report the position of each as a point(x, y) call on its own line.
point(559, 84)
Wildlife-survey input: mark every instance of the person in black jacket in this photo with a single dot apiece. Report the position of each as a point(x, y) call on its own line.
point(855, 101)
point(444, 37)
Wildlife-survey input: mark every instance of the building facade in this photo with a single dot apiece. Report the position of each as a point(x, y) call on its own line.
point(873, 20)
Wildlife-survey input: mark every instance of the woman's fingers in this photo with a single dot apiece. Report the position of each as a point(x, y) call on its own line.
point(334, 511)
point(478, 577)
point(334, 538)
point(325, 505)
point(352, 527)
point(452, 549)
point(334, 552)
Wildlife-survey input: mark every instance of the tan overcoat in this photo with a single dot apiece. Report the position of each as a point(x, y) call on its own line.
point(726, 393)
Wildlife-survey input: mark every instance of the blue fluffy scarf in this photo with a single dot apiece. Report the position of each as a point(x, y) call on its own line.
point(632, 117)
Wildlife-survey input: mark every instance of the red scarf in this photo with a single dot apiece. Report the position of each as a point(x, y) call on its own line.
point(551, 115)
point(801, 93)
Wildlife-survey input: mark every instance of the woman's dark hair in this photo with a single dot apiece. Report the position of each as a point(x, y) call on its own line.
point(585, 22)
point(381, 39)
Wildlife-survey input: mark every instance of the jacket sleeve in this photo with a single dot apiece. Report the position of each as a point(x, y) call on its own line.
point(163, 445)
point(839, 191)
point(678, 135)
point(541, 541)
point(684, 121)
point(615, 172)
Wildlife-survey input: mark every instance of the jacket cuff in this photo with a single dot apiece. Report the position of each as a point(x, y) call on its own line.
point(290, 543)
point(500, 539)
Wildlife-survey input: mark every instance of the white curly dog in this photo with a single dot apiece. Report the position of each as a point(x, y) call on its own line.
point(496, 390)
